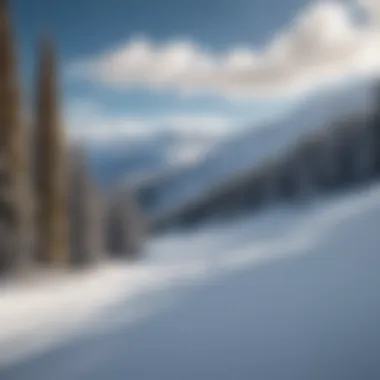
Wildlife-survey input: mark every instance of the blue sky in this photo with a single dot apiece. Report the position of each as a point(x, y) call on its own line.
point(87, 26)
point(91, 32)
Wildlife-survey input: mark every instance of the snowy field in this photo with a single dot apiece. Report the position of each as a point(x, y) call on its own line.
point(293, 293)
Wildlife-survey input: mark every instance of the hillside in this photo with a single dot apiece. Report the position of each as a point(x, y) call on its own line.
point(290, 294)
point(248, 149)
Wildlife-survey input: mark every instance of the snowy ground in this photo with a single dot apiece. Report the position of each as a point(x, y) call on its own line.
point(290, 294)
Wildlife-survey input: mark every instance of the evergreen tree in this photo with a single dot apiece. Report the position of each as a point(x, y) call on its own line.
point(15, 197)
point(86, 233)
point(50, 165)
point(125, 228)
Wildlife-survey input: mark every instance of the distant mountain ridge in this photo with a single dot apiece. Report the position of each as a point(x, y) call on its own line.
point(250, 148)
point(163, 185)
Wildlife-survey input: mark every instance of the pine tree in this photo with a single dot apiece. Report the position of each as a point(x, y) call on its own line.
point(50, 165)
point(125, 227)
point(15, 201)
point(97, 215)
point(86, 235)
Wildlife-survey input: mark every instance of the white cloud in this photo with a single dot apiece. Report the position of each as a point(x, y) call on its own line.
point(373, 10)
point(322, 44)
point(87, 121)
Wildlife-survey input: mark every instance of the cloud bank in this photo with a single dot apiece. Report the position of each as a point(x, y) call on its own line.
point(325, 42)
point(88, 121)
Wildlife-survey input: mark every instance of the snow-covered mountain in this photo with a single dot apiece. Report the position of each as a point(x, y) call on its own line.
point(135, 160)
point(251, 147)
point(169, 169)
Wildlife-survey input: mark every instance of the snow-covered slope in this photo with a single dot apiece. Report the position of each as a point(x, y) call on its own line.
point(289, 294)
point(250, 148)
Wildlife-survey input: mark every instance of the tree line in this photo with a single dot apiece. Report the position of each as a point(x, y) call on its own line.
point(52, 213)
point(336, 157)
